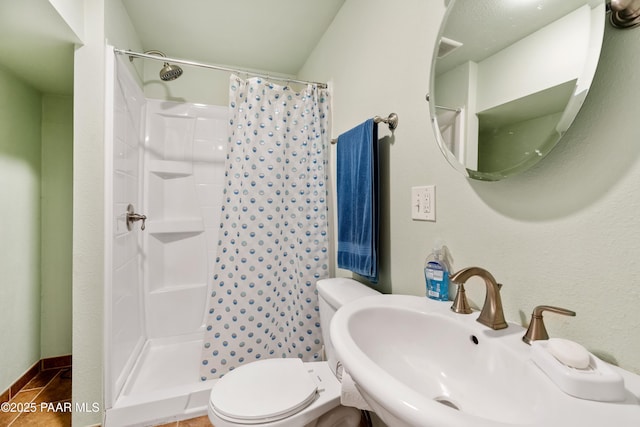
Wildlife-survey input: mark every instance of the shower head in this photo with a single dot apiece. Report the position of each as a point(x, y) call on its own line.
point(168, 72)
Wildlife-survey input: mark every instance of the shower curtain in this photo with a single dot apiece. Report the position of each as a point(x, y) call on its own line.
point(273, 239)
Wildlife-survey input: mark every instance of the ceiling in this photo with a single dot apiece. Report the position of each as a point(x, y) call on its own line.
point(36, 44)
point(275, 35)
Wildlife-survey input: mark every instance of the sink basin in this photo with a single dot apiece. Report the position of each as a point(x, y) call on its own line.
point(417, 363)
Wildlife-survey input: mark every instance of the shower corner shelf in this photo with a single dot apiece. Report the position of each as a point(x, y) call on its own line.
point(169, 169)
point(187, 226)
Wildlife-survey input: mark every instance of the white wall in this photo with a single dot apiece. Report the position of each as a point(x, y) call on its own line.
point(565, 233)
point(196, 85)
point(72, 12)
point(101, 18)
point(88, 214)
point(555, 55)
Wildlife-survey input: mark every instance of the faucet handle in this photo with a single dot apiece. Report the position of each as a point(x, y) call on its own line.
point(131, 217)
point(460, 303)
point(537, 330)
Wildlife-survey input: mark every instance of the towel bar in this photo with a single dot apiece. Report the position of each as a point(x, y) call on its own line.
point(391, 120)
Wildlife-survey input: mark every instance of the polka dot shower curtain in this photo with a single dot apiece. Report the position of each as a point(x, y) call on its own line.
point(273, 243)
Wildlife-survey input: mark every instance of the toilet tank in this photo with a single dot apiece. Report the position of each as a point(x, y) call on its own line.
point(333, 294)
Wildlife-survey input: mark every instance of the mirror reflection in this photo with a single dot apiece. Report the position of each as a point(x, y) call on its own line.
point(508, 77)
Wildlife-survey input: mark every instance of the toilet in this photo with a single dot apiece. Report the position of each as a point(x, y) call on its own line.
point(289, 392)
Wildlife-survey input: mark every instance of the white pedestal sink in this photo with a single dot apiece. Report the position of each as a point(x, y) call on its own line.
point(419, 364)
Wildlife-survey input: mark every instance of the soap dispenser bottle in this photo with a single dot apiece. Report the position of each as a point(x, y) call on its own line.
point(437, 268)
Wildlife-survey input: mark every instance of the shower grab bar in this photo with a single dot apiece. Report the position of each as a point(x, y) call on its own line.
point(457, 110)
point(391, 120)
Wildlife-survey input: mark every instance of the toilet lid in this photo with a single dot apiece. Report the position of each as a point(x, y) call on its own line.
point(270, 389)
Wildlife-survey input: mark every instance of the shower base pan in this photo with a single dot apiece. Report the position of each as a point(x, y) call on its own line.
point(164, 385)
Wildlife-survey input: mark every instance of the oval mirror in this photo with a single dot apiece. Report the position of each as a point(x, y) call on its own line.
point(508, 77)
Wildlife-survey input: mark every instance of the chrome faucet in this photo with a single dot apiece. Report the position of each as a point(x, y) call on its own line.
point(492, 314)
point(537, 330)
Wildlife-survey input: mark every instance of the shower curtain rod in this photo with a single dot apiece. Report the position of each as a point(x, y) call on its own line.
point(133, 54)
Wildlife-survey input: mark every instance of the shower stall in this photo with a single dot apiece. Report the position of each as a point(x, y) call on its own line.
point(166, 160)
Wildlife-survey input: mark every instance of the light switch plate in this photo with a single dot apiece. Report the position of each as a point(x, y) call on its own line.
point(423, 203)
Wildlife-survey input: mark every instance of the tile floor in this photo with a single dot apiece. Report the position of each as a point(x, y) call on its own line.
point(192, 422)
point(45, 401)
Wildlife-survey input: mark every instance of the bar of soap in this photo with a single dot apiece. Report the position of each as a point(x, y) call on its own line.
point(569, 353)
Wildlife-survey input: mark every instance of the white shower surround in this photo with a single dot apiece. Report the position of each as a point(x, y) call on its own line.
point(167, 159)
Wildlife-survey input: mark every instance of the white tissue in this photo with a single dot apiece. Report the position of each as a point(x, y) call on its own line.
point(349, 394)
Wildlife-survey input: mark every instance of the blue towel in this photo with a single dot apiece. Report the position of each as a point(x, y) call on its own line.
point(358, 197)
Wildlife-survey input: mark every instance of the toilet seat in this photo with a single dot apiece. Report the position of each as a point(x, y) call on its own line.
point(263, 391)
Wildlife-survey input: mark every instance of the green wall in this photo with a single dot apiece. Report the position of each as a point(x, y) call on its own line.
point(57, 224)
point(508, 146)
point(20, 117)
point(565, 232)
point(35, 226)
